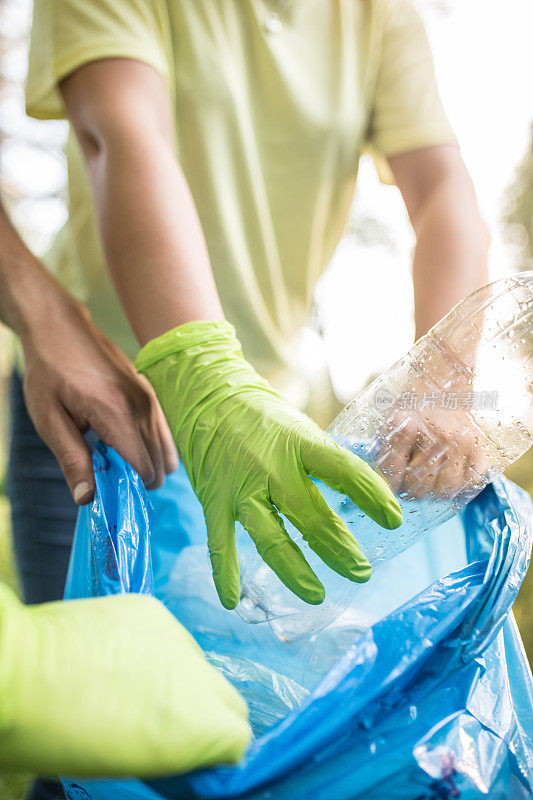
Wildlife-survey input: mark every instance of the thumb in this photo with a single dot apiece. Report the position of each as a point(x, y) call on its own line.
point(70, 448)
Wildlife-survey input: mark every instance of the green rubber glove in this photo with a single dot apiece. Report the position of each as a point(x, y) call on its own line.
point(107, 687)
point(248, 455)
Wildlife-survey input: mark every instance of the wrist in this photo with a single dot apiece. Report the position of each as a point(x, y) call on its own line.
point(17, 295)
point(190, 334)
point(29, 294)
point(44, 306)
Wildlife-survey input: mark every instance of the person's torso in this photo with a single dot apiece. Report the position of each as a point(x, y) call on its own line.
point(269, 126)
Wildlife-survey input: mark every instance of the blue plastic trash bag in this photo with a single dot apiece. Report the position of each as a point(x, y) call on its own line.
point(421, 690)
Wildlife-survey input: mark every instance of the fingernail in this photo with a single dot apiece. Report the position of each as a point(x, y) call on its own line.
point(81, 490)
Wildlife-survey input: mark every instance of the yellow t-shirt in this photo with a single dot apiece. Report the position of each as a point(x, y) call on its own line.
point(269, 129)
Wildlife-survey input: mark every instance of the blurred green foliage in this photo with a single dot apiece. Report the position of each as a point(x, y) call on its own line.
point(519, 213)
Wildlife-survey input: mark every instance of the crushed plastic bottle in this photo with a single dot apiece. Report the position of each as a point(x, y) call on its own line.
point(439, 426)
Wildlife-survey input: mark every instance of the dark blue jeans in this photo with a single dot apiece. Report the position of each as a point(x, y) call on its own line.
point(43, 513)
point(43, 516)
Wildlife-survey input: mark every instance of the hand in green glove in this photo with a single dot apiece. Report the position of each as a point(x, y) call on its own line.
point(249, 456)
point(110, 686)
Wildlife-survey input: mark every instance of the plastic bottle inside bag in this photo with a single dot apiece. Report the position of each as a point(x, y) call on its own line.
point(439, 425)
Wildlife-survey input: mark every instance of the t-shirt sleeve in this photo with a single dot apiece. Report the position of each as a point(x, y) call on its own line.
point(406, 109)
point(69, 33)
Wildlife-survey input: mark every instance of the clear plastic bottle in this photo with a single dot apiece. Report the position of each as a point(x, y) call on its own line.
point(439, 425)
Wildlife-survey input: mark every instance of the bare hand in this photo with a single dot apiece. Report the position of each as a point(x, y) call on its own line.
point(436, 454)
point(76, 379)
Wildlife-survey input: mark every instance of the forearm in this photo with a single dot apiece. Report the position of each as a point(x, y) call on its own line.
point(154, 246)
point(152, 237)
point(450, 258)
point(26, 288)
point(75, 379)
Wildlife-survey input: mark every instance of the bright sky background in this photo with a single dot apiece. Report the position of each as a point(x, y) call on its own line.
point(484, 60)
